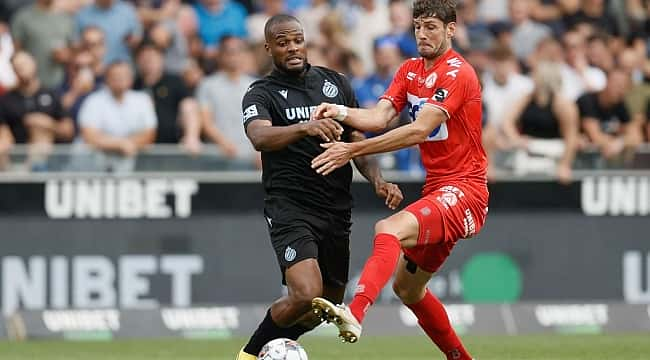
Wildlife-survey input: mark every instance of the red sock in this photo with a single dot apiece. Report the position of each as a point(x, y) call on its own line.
point(376, 272)
point(433, 318)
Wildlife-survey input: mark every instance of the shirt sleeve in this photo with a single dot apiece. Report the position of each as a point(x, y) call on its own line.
point(88, 114)
point(203, 95)
point(586, 107)
point(348, 92)
point(255, 106)
point(149, 119)
point(58, 113)
point(18, 29)
point(622, 113)
point(396, 92)
point(451, 89)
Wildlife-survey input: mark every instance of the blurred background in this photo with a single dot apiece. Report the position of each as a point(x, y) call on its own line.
point(127, 183)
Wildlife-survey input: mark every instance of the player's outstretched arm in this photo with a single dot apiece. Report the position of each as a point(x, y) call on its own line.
point(266, 137)
point(339, 153)
point(369, 168)
point(374, 119)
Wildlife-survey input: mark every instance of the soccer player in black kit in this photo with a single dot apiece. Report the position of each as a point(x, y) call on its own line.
point(308, 215)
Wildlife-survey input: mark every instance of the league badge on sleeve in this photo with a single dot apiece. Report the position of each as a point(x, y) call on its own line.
point(440, 94)
point(250, 112)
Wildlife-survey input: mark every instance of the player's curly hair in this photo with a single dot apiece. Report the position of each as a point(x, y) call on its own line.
point(445, 10)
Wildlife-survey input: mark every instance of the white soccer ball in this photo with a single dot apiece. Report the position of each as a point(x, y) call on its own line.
point(282, 349)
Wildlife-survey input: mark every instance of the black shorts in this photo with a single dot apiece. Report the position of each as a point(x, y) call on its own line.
point(299, 233)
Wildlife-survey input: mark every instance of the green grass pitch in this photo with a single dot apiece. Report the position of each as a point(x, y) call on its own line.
point(539, 347)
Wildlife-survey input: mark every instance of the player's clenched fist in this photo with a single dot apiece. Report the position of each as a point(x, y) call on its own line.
point(327, 129)
point(325, 110)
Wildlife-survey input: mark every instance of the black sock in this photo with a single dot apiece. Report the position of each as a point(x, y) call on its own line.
point(269, 330)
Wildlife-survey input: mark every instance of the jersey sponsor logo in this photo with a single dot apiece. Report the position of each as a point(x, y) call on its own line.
point(411, 75)
point(301, 113)
point(431, 80)
point(250, 112)
point(330, 90)
point(449, 196)
point(414, 105)
point(440, 94)
point(290, 253)
point(455, 63)
point(284, 93)
point(469, 224)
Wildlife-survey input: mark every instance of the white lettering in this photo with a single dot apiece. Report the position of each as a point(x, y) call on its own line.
point(121, 198)
point(155, 199)
point(20, 285)
point(181, 268)
point(59, 282)
point(132, 284)
point(88, 199)
point(615, 196)
point(183, 191)
point(633, 287)
point(82, 320)
point(58, 199)
point(93, 277)
point(218, 318)
point(572, 315)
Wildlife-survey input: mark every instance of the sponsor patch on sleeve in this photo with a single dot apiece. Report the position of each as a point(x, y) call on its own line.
point(250, 112)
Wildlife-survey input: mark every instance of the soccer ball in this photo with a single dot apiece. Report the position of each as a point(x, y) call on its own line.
point(282, 349)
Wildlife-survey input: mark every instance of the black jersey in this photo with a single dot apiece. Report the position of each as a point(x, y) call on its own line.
point(286, 100)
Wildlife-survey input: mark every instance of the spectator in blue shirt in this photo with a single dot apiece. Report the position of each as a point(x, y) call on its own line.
point(218, 18)
point(120, 24)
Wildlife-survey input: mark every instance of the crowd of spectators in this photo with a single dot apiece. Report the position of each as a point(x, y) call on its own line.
point(560, 77)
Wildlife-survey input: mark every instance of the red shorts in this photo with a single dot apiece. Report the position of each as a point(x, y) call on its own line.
point(446, 215)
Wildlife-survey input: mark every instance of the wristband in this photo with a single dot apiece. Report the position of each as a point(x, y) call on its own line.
point(341, 115)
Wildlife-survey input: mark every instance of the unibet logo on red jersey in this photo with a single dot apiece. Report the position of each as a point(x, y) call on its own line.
point(414, 105)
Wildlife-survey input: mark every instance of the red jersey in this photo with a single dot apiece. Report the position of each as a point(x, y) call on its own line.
point(453, 151)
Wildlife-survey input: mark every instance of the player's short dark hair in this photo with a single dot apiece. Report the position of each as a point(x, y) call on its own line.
point(276, 20)
point(445, 10)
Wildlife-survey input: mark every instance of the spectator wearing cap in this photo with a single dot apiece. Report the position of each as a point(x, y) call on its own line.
point(605, 119)
point(120, 24)
point(46, 34)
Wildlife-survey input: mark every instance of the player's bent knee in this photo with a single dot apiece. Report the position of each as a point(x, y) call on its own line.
point(404, 226)
point(386, 226)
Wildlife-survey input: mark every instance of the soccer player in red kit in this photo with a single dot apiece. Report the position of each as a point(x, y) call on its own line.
point(443, 96)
